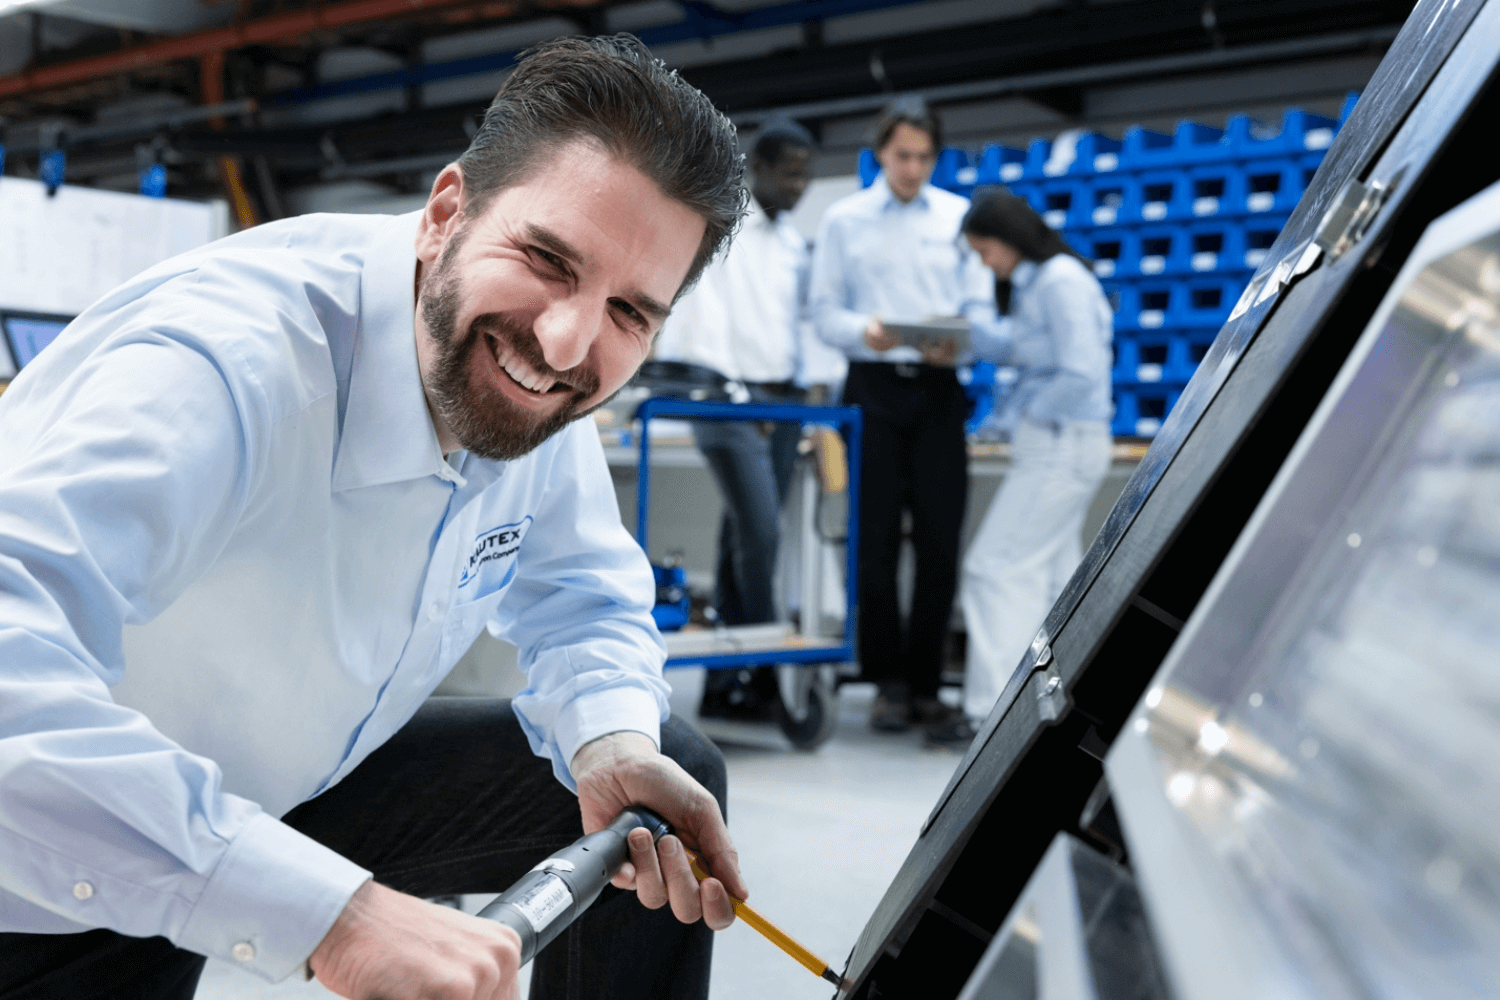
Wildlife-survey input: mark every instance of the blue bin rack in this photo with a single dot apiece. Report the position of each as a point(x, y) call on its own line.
point(850, 422)
point(1157, 195)
point(1000, 165)
point(1141, 410)
point(1175, 224)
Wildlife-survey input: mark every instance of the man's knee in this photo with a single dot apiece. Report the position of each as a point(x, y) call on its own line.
point(698, 756)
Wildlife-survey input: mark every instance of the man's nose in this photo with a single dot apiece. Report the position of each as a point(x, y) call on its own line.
point(566, 330)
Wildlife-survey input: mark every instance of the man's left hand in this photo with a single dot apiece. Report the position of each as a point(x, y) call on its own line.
point(940, 351)
point(625, 769)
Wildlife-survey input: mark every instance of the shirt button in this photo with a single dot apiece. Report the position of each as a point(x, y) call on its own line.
point(243, 952)
point(82, 890)
point(434, 611)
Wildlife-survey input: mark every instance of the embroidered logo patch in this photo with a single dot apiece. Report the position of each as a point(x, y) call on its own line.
point(494, 551)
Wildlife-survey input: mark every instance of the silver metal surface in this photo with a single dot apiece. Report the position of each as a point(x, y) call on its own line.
point(1308, 788)
point(1076, 933)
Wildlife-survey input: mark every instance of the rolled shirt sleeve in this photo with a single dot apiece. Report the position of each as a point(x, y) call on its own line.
point(118, 484)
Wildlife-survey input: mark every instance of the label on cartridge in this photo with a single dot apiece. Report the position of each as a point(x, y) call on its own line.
point(544, 902)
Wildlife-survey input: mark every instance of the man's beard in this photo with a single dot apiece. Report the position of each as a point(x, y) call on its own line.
point(485, 422)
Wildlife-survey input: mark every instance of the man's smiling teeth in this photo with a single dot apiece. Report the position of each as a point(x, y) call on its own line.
point(520, 371)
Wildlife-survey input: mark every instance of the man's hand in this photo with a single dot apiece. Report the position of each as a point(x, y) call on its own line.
point(387, 945)
point(624, 769)
point(876, 338)
point(940, 351)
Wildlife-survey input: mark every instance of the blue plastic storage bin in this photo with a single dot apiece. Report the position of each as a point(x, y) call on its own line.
point(1064, 202)
point(1106, 248)
point(1144, 149)
point(1155, 196)
point(1000, 165)
point(1300, 132)
point(1140, 410)
point(1197, 143)
point(1096, 154)
point(1212, 248)
point(1155, 249)
point(1271, 186)
point(1144, 305)
point(1214, 191)
point(1104, 197)
point(952, 172)
point(1258, 234)
point(1203, 302)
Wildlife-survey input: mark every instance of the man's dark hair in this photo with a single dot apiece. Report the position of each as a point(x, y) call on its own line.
point(776, 137)
point(911, 111)
point(997, 213)
point(613, 91)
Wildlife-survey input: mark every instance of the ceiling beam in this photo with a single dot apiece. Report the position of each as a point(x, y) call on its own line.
point(267, 30)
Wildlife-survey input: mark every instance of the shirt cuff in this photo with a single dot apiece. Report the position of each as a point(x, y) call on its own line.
point(599, 713)
point(271, 901)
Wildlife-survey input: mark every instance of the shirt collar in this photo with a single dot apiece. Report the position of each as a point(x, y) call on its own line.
point(1024, 274)
point(889, 200)
point(387, 434)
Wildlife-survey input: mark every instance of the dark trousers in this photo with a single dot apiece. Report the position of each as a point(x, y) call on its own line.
point(454, 803)
point(913, 460)
point(753, 471)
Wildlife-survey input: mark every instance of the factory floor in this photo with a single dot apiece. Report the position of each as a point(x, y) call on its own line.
point(820, 835)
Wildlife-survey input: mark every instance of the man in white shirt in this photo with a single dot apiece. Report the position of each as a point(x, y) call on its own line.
point(742, 320)
point(892, 252)
point(257, 501)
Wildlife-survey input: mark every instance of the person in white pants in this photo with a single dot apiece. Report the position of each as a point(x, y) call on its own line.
point(1054, 326)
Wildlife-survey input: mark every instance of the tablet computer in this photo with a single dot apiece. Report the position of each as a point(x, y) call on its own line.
point(920, 333)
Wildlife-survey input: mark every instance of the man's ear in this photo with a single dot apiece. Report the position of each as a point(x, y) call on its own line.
point(441, 215)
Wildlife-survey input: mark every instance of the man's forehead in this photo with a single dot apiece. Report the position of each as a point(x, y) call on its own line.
point(598, 210)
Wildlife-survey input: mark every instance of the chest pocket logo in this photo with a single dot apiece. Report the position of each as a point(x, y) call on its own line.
point(492, 558)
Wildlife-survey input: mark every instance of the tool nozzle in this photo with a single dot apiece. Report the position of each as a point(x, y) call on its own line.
point(836, 979)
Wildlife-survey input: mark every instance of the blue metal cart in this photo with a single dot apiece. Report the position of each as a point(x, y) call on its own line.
point(807, 712)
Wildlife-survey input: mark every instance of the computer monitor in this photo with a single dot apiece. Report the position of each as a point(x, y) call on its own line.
point(27, 333)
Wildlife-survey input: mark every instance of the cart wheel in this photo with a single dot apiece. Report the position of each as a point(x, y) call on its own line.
point(808, 708)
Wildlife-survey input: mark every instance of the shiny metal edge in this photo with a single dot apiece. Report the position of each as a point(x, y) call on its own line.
point(1185, 888)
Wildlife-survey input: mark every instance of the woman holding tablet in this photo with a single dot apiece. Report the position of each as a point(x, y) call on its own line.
point(1056, 332)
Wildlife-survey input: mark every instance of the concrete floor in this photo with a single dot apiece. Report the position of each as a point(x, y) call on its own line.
point(820, 835)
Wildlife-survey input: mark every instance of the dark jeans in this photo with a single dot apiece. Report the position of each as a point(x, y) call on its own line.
point(914, 459)
point(454, 803)
point(753, 472)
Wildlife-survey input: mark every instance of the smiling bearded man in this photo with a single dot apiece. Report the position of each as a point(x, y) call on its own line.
point(479, 414)
point(256, 502)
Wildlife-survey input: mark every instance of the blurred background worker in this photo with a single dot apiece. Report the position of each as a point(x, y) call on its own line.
point(1056, 331)
point(742, 320)
point(893, 251)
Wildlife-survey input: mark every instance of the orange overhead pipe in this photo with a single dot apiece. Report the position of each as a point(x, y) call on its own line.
point(265, 30)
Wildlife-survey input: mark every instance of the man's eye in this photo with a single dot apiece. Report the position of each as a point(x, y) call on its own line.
point(552, 260)
point(631, 312)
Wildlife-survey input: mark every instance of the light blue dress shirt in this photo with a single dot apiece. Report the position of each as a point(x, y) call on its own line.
point(878, 256)
point(1057, 335)
point(233, 562)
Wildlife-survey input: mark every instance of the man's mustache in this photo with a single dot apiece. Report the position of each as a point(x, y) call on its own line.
point(581, 378)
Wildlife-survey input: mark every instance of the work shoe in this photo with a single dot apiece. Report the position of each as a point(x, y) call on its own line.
point(932, 712)
point(954, 735)
point(891, 712)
